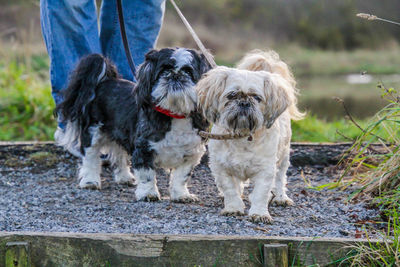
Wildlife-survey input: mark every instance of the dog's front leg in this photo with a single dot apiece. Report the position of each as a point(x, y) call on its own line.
point(261, 195)
point(143, 165)
point(178, 184)
point(231, 188)
point(146, 189)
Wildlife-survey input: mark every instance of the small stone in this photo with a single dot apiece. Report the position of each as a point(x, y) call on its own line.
point(344, 232)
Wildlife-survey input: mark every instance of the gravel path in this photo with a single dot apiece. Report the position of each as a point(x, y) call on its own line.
point(38, 192)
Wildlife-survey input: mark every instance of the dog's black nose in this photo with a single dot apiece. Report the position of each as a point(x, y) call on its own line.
point(244, 104)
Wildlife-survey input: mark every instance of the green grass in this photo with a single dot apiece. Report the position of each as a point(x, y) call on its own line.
point(379, 178)
point(26, 104)
point(383, 253)
point(312, 129)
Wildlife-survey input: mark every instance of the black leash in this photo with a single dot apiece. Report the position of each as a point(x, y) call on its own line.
point(124, 39)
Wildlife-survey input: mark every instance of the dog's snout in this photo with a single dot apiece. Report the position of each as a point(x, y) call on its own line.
point(175, 75)
point(244, 104)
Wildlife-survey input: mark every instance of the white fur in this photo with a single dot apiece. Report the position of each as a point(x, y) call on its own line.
point(182, 57)
point(179, 151)
point(103, 73)
point(265, 159)
point(69, 139)
point(146, 185)
point(90, 170)
point(181, 102)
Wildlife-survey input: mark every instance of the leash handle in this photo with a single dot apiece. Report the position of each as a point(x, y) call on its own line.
point(124, 38)
point(203, 49)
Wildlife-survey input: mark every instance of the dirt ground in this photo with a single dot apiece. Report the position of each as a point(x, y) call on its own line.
point(39, 192)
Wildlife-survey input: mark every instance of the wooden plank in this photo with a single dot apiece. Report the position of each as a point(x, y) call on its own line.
point(17, 254)
point(81, 249)
point(276, 255)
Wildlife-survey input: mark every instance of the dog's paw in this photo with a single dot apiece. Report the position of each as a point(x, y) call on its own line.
point(124, 177)
point(147, 192)
point(185, 199)
point(90, 184)
point(283, 201)
point(260, 218)
point(232, 212)
point(128, 179)
point(149, 197)
point(129, 183)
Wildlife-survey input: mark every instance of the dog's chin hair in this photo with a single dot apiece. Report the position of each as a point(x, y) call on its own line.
point(178, 101)
point(231, 119)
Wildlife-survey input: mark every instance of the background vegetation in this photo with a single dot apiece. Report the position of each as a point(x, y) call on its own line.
point(321, 40)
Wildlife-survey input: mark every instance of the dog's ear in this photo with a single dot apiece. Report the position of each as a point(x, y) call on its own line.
point(201, 64)
point(204, 65)
point(145, 79)
point(209, 89)
point(276, 90)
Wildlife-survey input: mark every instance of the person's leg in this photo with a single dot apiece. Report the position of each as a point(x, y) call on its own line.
point(143, 20)
point(70, 31)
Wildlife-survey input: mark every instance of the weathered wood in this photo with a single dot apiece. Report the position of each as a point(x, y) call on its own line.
point(73, 249)
point(276, 255)
point(17, 254)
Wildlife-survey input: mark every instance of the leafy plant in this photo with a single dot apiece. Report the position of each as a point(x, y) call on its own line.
point(377, 170)
point(26, 105)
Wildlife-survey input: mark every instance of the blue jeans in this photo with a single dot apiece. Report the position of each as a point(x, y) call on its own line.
point(70, 31)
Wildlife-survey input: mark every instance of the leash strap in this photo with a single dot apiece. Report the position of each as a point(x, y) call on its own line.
point(208, 135)
point(124, 38)
point(203, 49)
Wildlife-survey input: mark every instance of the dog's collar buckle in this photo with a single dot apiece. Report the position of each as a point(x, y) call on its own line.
point(168, 113)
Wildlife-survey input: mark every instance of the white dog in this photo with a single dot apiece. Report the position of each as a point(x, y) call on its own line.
point(257, 98)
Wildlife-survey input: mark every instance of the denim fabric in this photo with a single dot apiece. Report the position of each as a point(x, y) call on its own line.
point(70, 31)
point(143, 19)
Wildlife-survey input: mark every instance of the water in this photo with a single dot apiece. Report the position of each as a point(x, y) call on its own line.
point(360, 93)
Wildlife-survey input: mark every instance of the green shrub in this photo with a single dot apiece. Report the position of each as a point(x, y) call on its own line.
point(26, 105)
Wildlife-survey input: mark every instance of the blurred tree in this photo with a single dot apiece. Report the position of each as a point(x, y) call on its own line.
point(323, 24)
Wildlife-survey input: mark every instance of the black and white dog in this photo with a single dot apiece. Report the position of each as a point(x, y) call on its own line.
point(155, 121)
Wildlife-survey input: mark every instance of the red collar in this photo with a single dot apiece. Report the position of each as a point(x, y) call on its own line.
point(168, 112)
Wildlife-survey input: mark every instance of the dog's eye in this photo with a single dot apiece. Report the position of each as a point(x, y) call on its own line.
point(167, 67)
point(257, 98)
point(187, 70)
point(231, 95)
